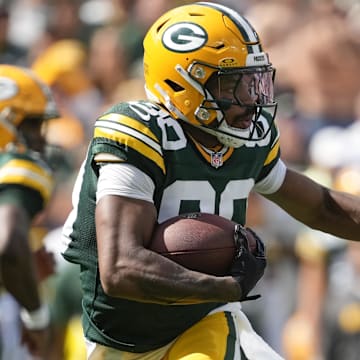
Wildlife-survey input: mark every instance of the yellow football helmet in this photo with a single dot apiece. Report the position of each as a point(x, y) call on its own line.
point(190, 45)
point(23, 97)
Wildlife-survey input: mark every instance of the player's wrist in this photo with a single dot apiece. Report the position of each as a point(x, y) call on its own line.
point(37, 319)
point(237, 291)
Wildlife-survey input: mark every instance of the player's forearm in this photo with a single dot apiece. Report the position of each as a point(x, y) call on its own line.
point(163, 281)
point(337, 214)
point(188, 287)
point(16, 263)
point(19, 278)
point(341, 216)
point(319, 207)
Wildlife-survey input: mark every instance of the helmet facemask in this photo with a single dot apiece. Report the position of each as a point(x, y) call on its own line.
point(249, 88)
point(32, 132)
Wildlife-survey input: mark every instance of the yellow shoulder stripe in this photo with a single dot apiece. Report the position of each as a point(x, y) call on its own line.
point(131, 123)
point(131, 133)
point(273, 153)
point(27, 173)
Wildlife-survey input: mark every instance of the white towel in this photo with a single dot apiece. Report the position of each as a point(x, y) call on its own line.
point(253, 345)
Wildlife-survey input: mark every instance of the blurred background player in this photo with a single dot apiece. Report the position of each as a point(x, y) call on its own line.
point(26, 185)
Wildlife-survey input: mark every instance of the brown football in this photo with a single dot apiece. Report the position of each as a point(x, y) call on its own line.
point(198, 241)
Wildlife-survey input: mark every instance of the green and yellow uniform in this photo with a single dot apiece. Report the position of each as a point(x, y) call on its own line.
point(187, 178)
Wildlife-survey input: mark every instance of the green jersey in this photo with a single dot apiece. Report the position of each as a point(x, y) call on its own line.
point(187, 178)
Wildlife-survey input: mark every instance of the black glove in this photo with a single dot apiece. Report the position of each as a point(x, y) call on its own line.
point(248, 267)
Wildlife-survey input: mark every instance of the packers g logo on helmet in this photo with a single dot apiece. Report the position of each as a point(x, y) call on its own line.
point(191, 44)
point(184, 37)
point(8, 88)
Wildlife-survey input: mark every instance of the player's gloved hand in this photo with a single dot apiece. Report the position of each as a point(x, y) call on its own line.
point(248, 266)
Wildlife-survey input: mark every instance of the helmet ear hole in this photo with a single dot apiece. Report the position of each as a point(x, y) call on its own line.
point(174, 86)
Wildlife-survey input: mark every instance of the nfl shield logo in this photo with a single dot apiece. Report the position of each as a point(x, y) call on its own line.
point(216, 159)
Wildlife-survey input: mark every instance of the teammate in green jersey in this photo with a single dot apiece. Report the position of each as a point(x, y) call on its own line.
point(202, 141)
point(26, 184)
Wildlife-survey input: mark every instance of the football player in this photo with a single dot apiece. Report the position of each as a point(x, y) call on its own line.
point(202, 141)
point(26, 184)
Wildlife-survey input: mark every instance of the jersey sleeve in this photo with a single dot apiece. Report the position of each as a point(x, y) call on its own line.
point(131, 138)
point(124, 180)
point(273, 171)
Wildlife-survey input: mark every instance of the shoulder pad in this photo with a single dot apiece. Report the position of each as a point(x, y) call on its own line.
point(25, 170)
point(137, 128)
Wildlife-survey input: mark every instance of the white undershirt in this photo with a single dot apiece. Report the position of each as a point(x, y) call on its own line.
point(126, 180)
point(272, 182)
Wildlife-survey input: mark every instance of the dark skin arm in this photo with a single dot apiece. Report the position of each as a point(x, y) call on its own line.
point(18, 271)
point(318, 207)
point(129, 270)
